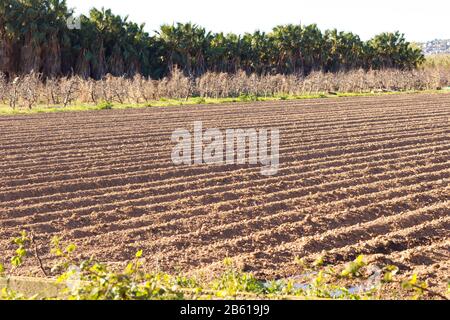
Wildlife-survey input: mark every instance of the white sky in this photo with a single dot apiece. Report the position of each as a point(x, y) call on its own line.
point(420, 20)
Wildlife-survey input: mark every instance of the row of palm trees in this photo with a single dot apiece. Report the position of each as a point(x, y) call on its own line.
point(34, 36)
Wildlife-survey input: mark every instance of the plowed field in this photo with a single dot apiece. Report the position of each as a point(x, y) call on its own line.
point(357, 175)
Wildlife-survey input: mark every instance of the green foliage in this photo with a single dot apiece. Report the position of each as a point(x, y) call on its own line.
point(391, 50)
point(417, 286)
point(97, 282)
point(318, 262)
point(64, 255)
point(21, 252)
point(389, 273)
point(200, 100)
point(8, 294)
point(232, 281)
point(353, 269)
point(93, 280)
point(248, 97)
point(105, 105)
point(35, 36)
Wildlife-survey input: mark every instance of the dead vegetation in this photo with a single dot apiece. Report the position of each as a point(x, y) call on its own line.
point(31, 90)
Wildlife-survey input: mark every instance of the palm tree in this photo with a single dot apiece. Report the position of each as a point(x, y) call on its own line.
point(186, 47)
point(34, 36)
point(391, 50)
point(57, 14)
point(287, 43)
point(8, 35)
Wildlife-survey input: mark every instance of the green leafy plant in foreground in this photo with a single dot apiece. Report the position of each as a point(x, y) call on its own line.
point(92, 280)
point(21, 252)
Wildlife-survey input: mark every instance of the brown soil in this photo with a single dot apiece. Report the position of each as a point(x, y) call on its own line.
point(358, 175)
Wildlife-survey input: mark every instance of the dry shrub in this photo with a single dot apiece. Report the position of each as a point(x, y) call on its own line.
point(13, 92)
point(52, 92)
point(142, 90)
point(176, 86)
point(3, 89)
point(30, 90)
point(27, 89)
point(69, 88)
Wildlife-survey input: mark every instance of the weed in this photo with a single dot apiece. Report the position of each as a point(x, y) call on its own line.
point(92, 280)
point(105, 105)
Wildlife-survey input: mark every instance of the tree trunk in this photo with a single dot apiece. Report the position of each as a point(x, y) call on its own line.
point(6, 56)
point(52, 57)
point(83, 68)
point(30, 56)
point(116, 64)
point(98, 66)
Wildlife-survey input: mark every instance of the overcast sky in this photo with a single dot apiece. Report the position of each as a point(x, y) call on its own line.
point(419, 20)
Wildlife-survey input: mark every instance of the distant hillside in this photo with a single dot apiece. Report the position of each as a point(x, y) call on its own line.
point(436, 47)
